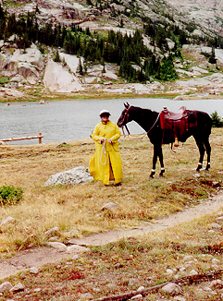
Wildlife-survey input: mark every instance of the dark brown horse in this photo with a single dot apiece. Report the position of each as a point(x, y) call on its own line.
point(166, 127)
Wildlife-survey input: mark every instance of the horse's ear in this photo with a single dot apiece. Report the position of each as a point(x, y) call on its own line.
point(127, 105)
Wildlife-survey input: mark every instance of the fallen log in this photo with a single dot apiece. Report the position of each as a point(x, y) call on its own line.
point(39, 137)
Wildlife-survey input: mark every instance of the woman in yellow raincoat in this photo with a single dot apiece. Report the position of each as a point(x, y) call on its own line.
point(106, 165)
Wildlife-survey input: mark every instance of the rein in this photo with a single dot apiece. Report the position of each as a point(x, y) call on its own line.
point(127, 130)
point(154, 124)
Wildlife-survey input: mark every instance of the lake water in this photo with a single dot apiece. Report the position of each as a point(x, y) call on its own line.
point(69, 120)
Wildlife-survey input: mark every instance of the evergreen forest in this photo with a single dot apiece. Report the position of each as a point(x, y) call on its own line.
point(136, 61)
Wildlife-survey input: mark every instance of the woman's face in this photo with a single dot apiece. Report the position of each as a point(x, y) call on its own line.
point(105, 118)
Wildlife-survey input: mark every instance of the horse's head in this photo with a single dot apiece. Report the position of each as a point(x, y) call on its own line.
point(125, 116)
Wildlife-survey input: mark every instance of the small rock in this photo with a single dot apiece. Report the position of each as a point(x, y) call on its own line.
point(5, 287)
point(53, 238)
point(52, 232)
point(110, 206)
point(215, 261)
point(169, 272)
point(214, 267)
point(182, 269)
point(219, 219)
point(7, 220)
point(75, 257)
point(86, 297)
point(58, 245)
point(137, 297)
point(17, 288)
point(76, 248)
point(96, 289)
point(118, 265)
point(132, 281)
point(197, 175)
point(189, 264)
point(172, 289)
point(141, 288)
point(34, 270)
point(188, 258)
point(193, 273)
point(208, 289)
point(179, 298)
point(37, 290)
point(216, 184)
point(216, 284)
point(215, 226)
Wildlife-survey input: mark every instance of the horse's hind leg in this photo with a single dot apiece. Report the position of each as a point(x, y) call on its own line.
point(208, 151)
point(202, 151)
point(160, 154)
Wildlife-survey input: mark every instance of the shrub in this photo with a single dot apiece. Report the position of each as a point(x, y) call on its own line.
point(4, 80)
point(10, 195)
point(217, 120)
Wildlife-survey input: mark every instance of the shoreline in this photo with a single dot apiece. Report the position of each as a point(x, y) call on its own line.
point(87, 96)
point(100, 96)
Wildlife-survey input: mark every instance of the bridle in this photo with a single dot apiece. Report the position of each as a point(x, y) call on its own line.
point(125, 126)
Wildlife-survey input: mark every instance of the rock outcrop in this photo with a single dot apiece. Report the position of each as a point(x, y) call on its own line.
point(58, 79)
point(76, 175)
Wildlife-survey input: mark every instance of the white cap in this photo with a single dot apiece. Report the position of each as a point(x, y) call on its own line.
point(104, 112)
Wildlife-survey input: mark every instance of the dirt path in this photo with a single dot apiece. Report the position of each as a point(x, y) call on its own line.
point(39, 256)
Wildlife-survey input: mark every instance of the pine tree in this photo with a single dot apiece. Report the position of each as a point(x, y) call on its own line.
point(212, 58)
point(80, 67)
point(167, 71)
point(57, 57)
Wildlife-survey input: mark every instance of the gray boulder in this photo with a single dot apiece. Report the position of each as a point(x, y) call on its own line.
point(76, 175)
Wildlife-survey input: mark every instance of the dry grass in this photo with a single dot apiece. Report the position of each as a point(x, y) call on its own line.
point(128, 264)
point(76, 209)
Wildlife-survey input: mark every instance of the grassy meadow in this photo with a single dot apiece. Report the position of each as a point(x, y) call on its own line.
point(76, 209)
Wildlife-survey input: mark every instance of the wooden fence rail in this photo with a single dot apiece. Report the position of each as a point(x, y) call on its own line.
point(39, 137)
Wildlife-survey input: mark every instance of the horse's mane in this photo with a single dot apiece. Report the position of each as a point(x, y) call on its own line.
point(144, 117)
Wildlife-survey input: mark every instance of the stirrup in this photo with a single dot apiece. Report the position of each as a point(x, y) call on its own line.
point(176, 142)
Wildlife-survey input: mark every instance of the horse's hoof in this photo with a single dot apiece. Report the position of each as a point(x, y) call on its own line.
point(161, 175)
point(152, 173)
point(199, 168)
point(208, 167)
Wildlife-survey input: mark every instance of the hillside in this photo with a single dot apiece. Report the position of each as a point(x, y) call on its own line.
point(108, 47)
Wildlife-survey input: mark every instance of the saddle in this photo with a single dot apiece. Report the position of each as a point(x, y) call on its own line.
point(176, 124)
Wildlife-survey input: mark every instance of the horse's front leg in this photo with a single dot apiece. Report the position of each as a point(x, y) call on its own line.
point(160, 154)
point(208, 151)
point(155, 155)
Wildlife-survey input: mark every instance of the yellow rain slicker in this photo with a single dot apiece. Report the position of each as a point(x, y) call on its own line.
point(106, 164)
